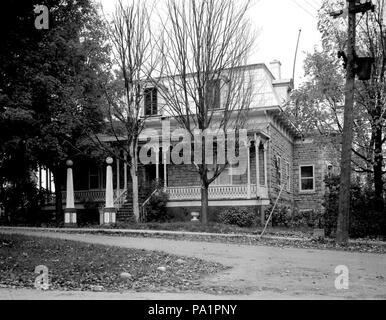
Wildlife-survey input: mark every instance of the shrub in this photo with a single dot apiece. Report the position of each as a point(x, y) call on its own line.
point(307, 218)
point(241, 217)
point(22, 203)
point(156, 208)
point(179, 214)
point(364, 219)
point(281, 216)
point(331, 204)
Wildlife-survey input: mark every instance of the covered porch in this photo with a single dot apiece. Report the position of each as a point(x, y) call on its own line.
point(180, 182)
point(217, 192)
point(183, 186)
point(178, 194)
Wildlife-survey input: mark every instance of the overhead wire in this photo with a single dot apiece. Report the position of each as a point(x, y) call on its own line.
point(312, 5)
point(304, 9)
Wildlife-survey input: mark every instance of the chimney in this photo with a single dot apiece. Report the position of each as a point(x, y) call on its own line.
point(276, 69)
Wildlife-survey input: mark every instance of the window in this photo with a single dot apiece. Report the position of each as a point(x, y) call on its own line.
point(150, 101)
point(93, 180)
point(307, 182)
point(288, 176)
point(278, 170)
point(213, 89)
point(225, 177)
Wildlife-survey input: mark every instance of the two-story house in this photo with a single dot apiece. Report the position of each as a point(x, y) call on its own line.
point(277, 157)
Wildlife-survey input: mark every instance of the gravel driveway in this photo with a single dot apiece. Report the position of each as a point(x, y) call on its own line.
point(261, 272)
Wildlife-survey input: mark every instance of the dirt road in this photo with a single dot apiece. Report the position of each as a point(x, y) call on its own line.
point(261, 271)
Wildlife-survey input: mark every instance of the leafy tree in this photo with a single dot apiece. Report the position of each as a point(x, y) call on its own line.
point(363, 223)
point(50, 84)
point(318, 103)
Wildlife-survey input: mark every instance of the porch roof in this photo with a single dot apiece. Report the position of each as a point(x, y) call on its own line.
point(251, 126)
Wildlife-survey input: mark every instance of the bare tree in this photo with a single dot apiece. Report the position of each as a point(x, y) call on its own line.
point(132, 39)
point(206, 44)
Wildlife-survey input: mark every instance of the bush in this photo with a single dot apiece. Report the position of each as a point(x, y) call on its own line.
point(307, 218)
point(364, 219)
point(179, 214)
point(281, 216)
point(22, 203)
point(155, 209)
point(241, 217)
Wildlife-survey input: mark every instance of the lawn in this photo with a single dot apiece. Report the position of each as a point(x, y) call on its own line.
point(215, 227)
point(79, 266)
point(283, 237)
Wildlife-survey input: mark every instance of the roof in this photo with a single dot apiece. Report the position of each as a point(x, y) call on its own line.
point(244, 67)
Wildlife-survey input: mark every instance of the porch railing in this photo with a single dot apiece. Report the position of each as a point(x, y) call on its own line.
point(83, 196)
point(215, 192)
point(142, 213)
point(120, 198)
point(223, 192)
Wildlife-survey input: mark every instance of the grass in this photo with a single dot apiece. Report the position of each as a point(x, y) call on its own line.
point(213, 227)
point(300, 237)
point(291, 238)
point(79, 266)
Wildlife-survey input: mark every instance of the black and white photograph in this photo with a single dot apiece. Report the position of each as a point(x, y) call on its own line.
point(207, 151)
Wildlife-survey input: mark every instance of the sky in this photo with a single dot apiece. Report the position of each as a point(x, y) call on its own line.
point(278, 23)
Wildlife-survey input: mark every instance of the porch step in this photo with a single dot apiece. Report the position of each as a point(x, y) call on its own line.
point(125, 213)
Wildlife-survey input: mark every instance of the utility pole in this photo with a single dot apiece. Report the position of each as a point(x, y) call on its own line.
point(345, 163)
point(342, 234)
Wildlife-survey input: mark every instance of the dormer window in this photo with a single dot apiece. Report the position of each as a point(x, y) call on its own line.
point(213, 89)
point(151, 101)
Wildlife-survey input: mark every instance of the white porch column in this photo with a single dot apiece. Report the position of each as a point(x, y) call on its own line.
point(109, 210)
point(125, 172)
point(50, 177)
point(40, 177)
point(70, 211)
point(156, 164)
point(49, 180)
point(249, 169)
point(257, 145)
point(165, 169)
point(118, 178)
point(46, 172)
point(265, 164)
point(231, 174)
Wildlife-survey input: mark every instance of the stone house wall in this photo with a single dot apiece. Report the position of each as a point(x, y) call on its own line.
point(321, 152)
point(280, 145)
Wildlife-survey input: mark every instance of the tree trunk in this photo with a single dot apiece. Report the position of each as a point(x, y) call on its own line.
point(204, 194)
point(204, 203)
point(58, 194)
point(134, 179)
point(377, 168)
